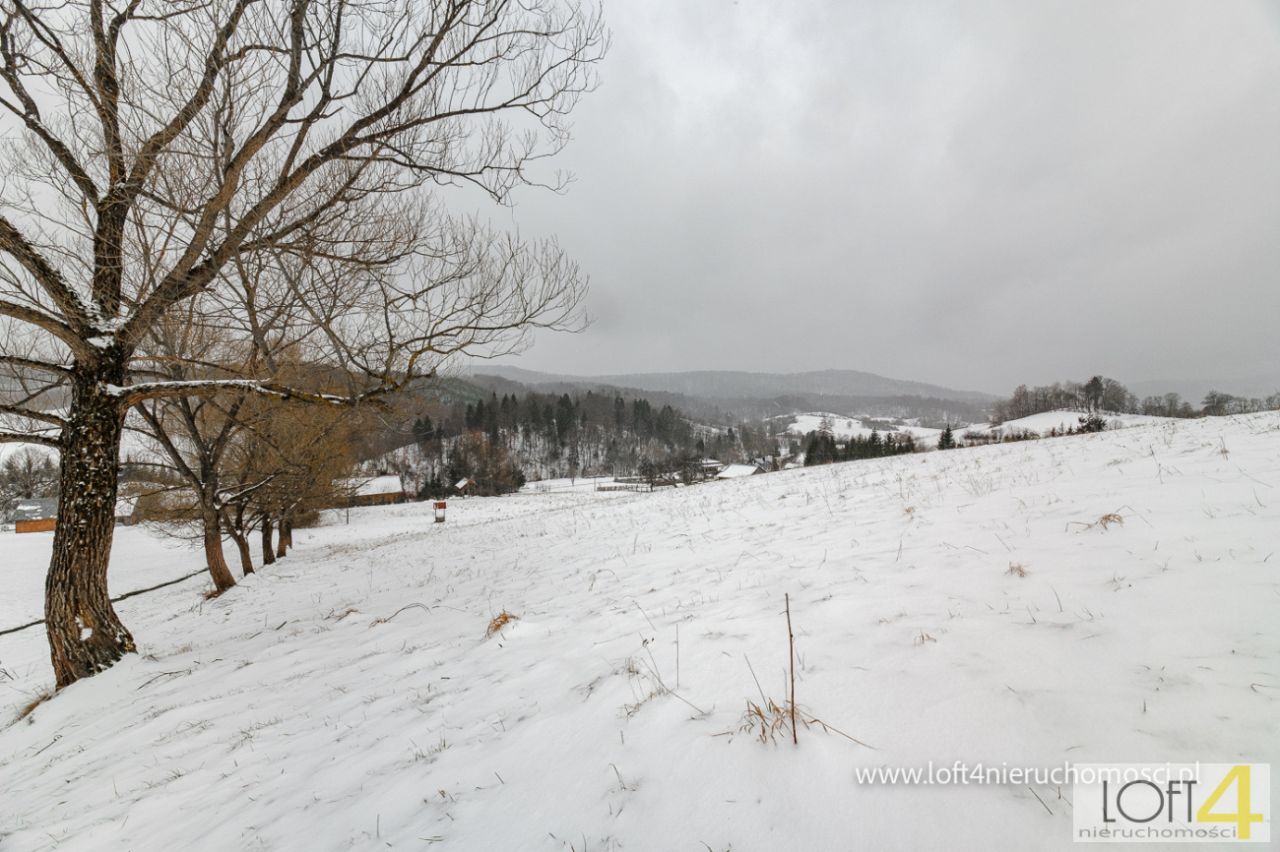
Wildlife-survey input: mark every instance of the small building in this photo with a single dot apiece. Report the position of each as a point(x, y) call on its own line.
point(737, 471)
point(35, 515)
point(465, 486)
point(375, 491)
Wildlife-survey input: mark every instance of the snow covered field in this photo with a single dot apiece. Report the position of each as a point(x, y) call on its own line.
point(560, 486)
point(1046, 421)
point(843, 428)
point(348, 698)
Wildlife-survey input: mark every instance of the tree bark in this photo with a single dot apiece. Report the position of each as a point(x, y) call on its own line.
point(85, 634)
point(234, 525)
point(286, 538)
point(268, 555)
point(246, 557)
point(214, 557)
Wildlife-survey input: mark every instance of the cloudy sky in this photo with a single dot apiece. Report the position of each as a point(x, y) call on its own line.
point(971, 193)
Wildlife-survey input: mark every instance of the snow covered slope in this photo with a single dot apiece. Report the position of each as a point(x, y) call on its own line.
point(318, 707)
point(1046, 421)
point(844, 427)
point(143, 559)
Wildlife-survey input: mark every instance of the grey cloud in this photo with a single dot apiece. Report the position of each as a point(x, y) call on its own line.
point(974, 194)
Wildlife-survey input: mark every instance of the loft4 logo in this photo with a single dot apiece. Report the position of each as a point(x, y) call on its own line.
point(1165, 801)
point(1172, 803)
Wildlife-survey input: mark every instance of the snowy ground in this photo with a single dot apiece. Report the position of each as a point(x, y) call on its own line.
point(1062, 420)
point(316, 707)
point(560, 486)
point(143, 559)
point(844, 427)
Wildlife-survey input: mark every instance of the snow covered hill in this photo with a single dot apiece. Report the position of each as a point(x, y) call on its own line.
point(1062, 421)
point(1104, 598)
point(844, 427)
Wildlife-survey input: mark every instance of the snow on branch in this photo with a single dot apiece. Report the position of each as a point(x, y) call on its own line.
point(33, 414)
point(209, 387)
point(29, 438)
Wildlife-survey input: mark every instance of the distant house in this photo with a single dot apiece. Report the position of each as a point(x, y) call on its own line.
point(465, 486)
point(737, 471)
point(36, 515)
point(374, 491)
point(710, 468)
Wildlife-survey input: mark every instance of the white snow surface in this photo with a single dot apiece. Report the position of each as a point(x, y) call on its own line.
point(1062, 420)
point(844, 427)
point(372, 486)
point(314, 707)
point(578, 484)
point(737, 471)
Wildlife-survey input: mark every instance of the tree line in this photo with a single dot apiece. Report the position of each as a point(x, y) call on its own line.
point(821, 446)
point(1103, 394)
point(499, 442)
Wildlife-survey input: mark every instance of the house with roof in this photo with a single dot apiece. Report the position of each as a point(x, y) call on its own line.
point(35, 515)
point(374, 491)
point(737, 471)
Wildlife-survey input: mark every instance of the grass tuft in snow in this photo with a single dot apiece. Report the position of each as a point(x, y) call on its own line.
point(498, 622)
point(1105, 522)
point(30, 707)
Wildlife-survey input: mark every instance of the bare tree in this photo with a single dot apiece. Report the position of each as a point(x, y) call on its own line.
point(158, 143)
point(291, 461)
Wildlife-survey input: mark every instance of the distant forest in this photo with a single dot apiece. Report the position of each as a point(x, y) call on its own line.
point(450, 430)
point(499, 441)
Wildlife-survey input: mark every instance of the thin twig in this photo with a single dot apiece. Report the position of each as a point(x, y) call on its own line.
point(791, 650)
point(763, 700)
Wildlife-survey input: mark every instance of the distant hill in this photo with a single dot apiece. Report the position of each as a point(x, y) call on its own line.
point(740, 385)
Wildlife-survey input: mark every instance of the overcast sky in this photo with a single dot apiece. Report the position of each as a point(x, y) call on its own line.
point(974, 193)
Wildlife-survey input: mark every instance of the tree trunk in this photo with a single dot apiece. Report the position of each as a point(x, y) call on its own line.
point(268, 555)
point(242, 544)
point(85, 634)
point(235, 528)
point(214, 557)
point(286, 538)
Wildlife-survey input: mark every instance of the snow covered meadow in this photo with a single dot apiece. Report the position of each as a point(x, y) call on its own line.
point(1097, 598)
point(844, 427)
point(1061, 421)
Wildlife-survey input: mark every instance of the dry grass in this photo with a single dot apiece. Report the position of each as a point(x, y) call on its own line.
point(1105, 521)
point(772, 721)
point(498, 622)
point(30, 706)
point(769, 722)
point(1016, 569)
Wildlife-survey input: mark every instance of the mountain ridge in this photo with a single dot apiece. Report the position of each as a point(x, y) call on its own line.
point(743, 384)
